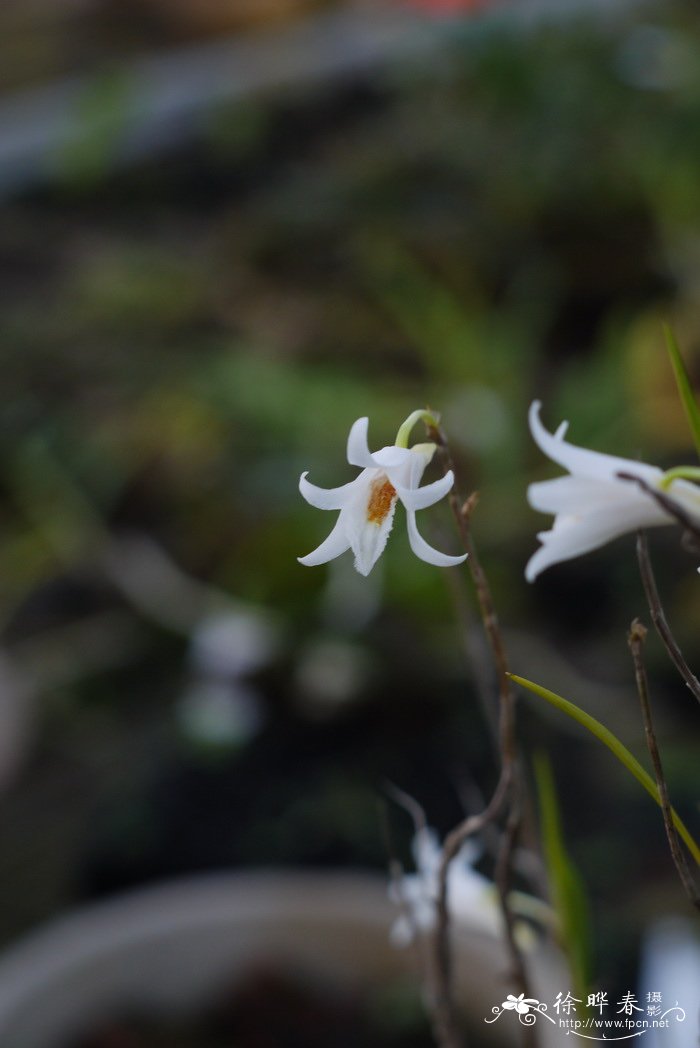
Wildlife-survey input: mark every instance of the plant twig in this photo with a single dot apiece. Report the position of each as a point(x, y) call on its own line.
point(478, 657)
point(442, 1001)
point(658, 616)
point(443, 1030)
point(509, 784)
point(462, 511)
point(409, 805)
point(668, 504)
point(635, 639)
point(504, 865)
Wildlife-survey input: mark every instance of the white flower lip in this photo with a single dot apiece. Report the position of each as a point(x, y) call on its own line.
point(593, 504)
point(367, 504)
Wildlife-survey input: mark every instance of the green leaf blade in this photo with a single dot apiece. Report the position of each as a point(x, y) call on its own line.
point(568, 892)
point(685, 388)
point(605, 736)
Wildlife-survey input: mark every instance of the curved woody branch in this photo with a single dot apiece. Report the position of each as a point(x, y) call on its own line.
point(507, 792)
point(659, 619)
point(635, 640)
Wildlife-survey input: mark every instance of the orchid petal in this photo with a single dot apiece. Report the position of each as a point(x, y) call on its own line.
point(686, 495)
point(408, 473)
point(426, 552)
point(368, 539)
point(391, 457)
point(335, 544)
point(572, 536)
point(402, 931)
point(325, 498)
point(421, 498)
point(421, 457)
point(582, 461)
point(358, 450)
point(576, 495)
point(426, 851)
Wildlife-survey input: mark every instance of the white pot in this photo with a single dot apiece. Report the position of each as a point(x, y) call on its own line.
point(168, 950)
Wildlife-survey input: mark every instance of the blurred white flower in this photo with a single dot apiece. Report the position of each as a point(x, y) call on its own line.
point(670, 965)
point(367, 503)
point(220, 714)
point(329, 675)
point(472, 899)
point(469, 894)
point(593, 505)
point(232, 642)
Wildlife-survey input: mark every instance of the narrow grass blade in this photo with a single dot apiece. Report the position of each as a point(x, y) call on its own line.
point(683, 382)
point(568, 892)
point(613, 743)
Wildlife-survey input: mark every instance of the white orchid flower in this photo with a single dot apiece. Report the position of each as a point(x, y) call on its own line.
point(367, 503)
point(469, 893)
point(594, 504)
point(472, 899)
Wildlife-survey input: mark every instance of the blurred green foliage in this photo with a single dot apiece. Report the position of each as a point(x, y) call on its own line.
point(512, 218)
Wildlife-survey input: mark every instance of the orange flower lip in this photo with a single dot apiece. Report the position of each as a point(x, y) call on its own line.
point(381, 498)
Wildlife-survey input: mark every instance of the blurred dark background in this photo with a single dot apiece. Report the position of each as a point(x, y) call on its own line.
point(228, 230)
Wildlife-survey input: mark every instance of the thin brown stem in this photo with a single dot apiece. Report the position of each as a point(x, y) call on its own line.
point(668, 504)
point(635, 639)
point(509, 784)
point(658, 616)
point(504, 866)
point(478, 657)
point(462, 511)
point(409, 804)
point(439, 1019)
point(443, 1004)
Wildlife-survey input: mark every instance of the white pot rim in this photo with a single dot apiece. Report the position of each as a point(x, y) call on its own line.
point(169, 947)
